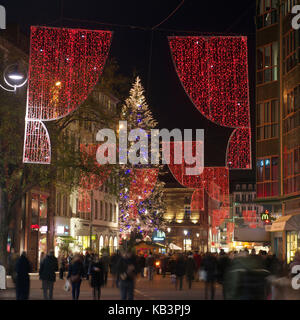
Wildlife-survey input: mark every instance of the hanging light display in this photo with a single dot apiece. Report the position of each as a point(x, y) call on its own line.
point(214, 73)
point(84, 200)
point(64, 66)
point(89, 180)
point(230, 229)
point(197, 202)
point(250, 218)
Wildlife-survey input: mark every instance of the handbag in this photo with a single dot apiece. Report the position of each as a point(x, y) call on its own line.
point(75, 277)
point(202, 275)
point(67, 286)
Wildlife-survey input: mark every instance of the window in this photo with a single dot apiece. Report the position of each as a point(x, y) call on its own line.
point(187, 211)
point(110, 212)
point(115, 213)
point(267, 13)
point(291, 118)
point(267, 177)
point(268, 120)
point(267, 57)
point(65, 206)
point(106, 212)
point(243, 197)
point(238, 211)
point(58, 204)
point(237, 198)
point(101, 210)
point(96, 210)
point(289, 50)
point(291, 173)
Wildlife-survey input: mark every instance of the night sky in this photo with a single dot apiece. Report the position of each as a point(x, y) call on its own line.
point(131, 22)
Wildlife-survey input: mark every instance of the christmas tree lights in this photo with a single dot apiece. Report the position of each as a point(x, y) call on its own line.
point(64, 66)
point(250, 218)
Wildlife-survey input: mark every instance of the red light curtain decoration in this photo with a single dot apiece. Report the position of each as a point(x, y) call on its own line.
point(142, 184)
point(64, 66)
point(250, 218)
point(197, 202)
point(84, 200)
point(230, 229)
point(214, 73)
point(91, 181)
point(218, 217)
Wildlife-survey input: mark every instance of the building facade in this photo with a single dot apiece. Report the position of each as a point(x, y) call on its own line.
point(278, 119)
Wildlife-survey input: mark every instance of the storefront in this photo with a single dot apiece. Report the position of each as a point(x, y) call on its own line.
point(37, 227)
point(62, 230)
point(80, 230)
point(289, 227)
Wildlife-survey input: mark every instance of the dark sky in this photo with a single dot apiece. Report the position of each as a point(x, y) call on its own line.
point(131, 47)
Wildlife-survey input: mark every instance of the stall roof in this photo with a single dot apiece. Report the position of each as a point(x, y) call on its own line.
point(286, 223)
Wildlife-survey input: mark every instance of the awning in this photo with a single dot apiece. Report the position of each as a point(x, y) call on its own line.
point(286, 223)
point(174, 247)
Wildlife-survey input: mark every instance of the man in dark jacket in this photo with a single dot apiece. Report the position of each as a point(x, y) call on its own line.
point(127, 267)
point(47, 274)
point(223, 266)
point(209, 265)
point(179, 271)
point(23, 268)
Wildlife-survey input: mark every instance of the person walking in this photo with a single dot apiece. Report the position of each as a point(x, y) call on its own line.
point(141, 265)
point(223, 264)
point(105, 263)
point(23, 268)
point(86, 264)
point(114, 270)
point(47, 274)
point(127, 270)
point(150, 265)
point(179, 271)
point(190, 269)
point(97, 277)
point(209, 265)
point(75, 274)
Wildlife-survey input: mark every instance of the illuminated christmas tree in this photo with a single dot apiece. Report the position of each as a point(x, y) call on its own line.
point(141, 195)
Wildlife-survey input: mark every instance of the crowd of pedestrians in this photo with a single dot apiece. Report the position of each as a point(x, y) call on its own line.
point(242, 275)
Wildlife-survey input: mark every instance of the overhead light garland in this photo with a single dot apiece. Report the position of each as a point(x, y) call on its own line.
point(214, 73)
point(64, 66)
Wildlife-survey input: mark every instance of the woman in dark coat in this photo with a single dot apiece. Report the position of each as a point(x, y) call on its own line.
point(179, 271)
point(76, 272)
point(97, 281)
point(23, 268)
point(190, 269)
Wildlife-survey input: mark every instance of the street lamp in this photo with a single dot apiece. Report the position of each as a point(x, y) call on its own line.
point(14, 77)
point(185, 234)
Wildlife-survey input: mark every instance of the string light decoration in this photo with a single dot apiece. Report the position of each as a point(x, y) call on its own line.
point(214, 73)
point(142, 184)
point(84, 200)
point(197, 201)
point(250, 218)
point(230, 229)
point(64, 66)
point(215, 180)
point(89, 180)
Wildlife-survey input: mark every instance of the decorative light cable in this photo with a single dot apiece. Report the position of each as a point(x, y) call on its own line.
point(214, 73)
point(250, 218)
point(64, 66)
